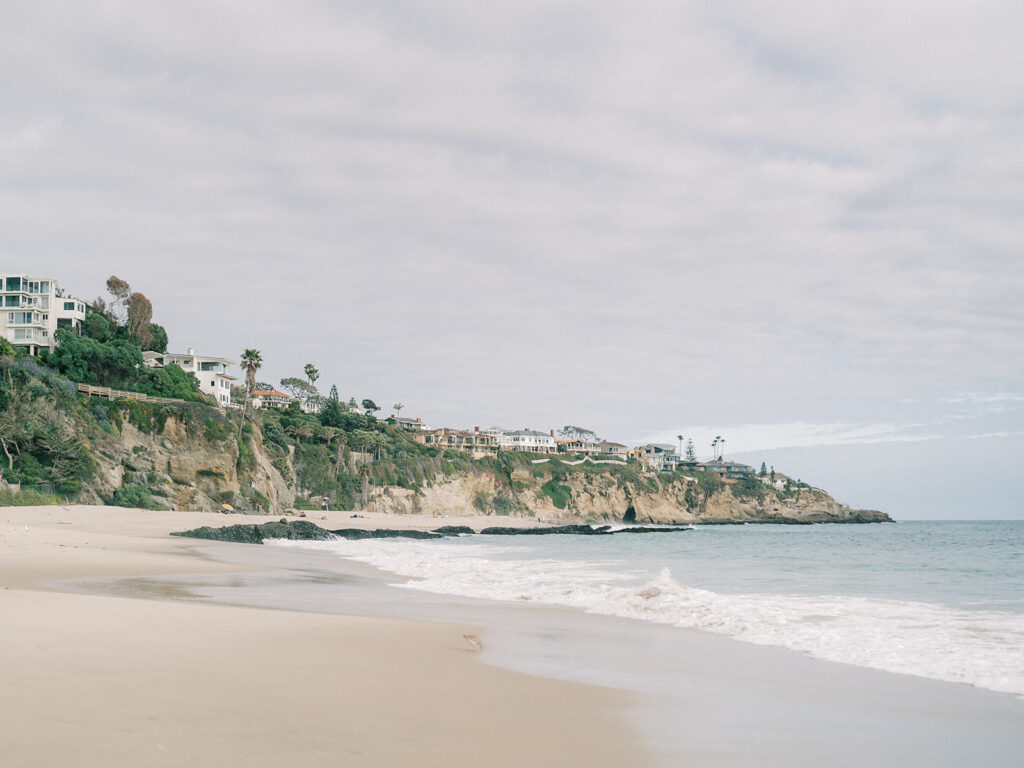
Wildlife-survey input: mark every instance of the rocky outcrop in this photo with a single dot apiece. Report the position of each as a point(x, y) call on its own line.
point(302, 529)
point(187, 468)
point(603, 497)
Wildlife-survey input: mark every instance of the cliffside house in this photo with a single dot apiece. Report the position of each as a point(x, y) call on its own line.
point(269, 398)
point(528, 440)
point(659, 456)
point(211, 372)
point(615, 450)
point(727, 470)
point(577, 446)
point(410, 424)
point(475, 442)
point(32, 309)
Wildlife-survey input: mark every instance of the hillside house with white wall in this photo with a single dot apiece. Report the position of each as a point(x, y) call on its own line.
point(31, 311)
point(528, 440)
point(269, 398)
point(210, 372)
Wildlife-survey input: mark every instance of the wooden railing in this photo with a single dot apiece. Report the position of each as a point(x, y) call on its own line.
point(114, 394)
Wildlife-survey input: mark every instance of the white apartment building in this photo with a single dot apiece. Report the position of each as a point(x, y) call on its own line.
point(211, 372)
point(526, 440)
point(31, 311)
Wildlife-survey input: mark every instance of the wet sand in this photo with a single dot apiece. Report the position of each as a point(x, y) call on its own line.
point(148, 678)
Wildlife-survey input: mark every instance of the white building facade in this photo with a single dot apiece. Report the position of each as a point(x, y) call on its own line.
point(31, 311)
point(211, 372)
point(528, 440)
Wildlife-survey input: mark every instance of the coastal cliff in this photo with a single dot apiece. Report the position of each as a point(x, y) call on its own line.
point(609, 497)
point(193, 456)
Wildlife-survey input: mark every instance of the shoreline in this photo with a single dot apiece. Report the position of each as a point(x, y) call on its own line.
point(667, 696)
point(95, 680)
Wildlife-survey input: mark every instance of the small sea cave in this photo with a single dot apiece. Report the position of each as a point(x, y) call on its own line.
point(630, 516)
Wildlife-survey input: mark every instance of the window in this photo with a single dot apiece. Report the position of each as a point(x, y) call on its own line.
point(69, 306)
point(44, 286)
point(11, 301)
point(13, 283)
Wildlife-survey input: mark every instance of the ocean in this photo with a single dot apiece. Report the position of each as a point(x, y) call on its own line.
point(938, 600)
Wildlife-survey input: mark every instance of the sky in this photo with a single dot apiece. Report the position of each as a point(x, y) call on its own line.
point(796, 225)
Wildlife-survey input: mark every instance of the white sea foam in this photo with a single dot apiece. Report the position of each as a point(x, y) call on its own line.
point(981, 648)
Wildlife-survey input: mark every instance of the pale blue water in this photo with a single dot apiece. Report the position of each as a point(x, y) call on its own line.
point(971, 565)
point(942, 600)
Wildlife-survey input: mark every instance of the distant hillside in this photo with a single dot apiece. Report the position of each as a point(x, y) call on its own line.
point(190, 455)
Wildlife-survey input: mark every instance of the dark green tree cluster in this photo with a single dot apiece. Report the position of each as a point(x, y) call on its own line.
point(39, 447)
point(108, 352)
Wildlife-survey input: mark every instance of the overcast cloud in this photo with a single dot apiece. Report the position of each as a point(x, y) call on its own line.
point(797, 221)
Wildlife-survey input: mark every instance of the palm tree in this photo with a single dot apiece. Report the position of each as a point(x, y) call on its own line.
point(299, 431)
point(251, 362)
point(311, 373)
point(680, 439)
point(721, 449)
point(398, 409)
point(714, 446)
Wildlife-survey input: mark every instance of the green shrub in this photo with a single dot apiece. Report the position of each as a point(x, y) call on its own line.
point(560, 495)
point(9, 498)
point(132, 495)
point(216, 431)
point(482, 500)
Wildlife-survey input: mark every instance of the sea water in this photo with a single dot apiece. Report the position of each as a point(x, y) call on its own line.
point(941, 600)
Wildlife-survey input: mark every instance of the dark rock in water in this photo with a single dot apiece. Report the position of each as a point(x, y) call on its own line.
point(383, 533)
point(255, 534)
point(303, 529)
point(575, 530)
point(651, 530)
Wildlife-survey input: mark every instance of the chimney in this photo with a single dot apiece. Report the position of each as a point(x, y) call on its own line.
point(192, 351)
point(419, 420)
point(477, 430)
point(552, 433)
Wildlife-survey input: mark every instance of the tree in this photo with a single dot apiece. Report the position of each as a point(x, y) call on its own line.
point(97, 326)
point(398, 408)
point(251, 361)
point(6, 348)
point(311, 373)
point(370, 407)
point(120, 290)
point(332, 415)
point(571, 432)
point(170, 381)
point(112, 364)
point(299, 388)
point(691, 451)
point(680, 439)
point(764, 470)
point(140, 315)
point(158, 339)
point(714, 447)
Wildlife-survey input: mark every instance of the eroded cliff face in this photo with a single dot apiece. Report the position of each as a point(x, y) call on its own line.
point(606, 499)
point(194, 463)
point(186, 469)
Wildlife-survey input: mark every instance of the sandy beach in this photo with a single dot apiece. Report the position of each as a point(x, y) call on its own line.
point(123, 645)
point(99, 680)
